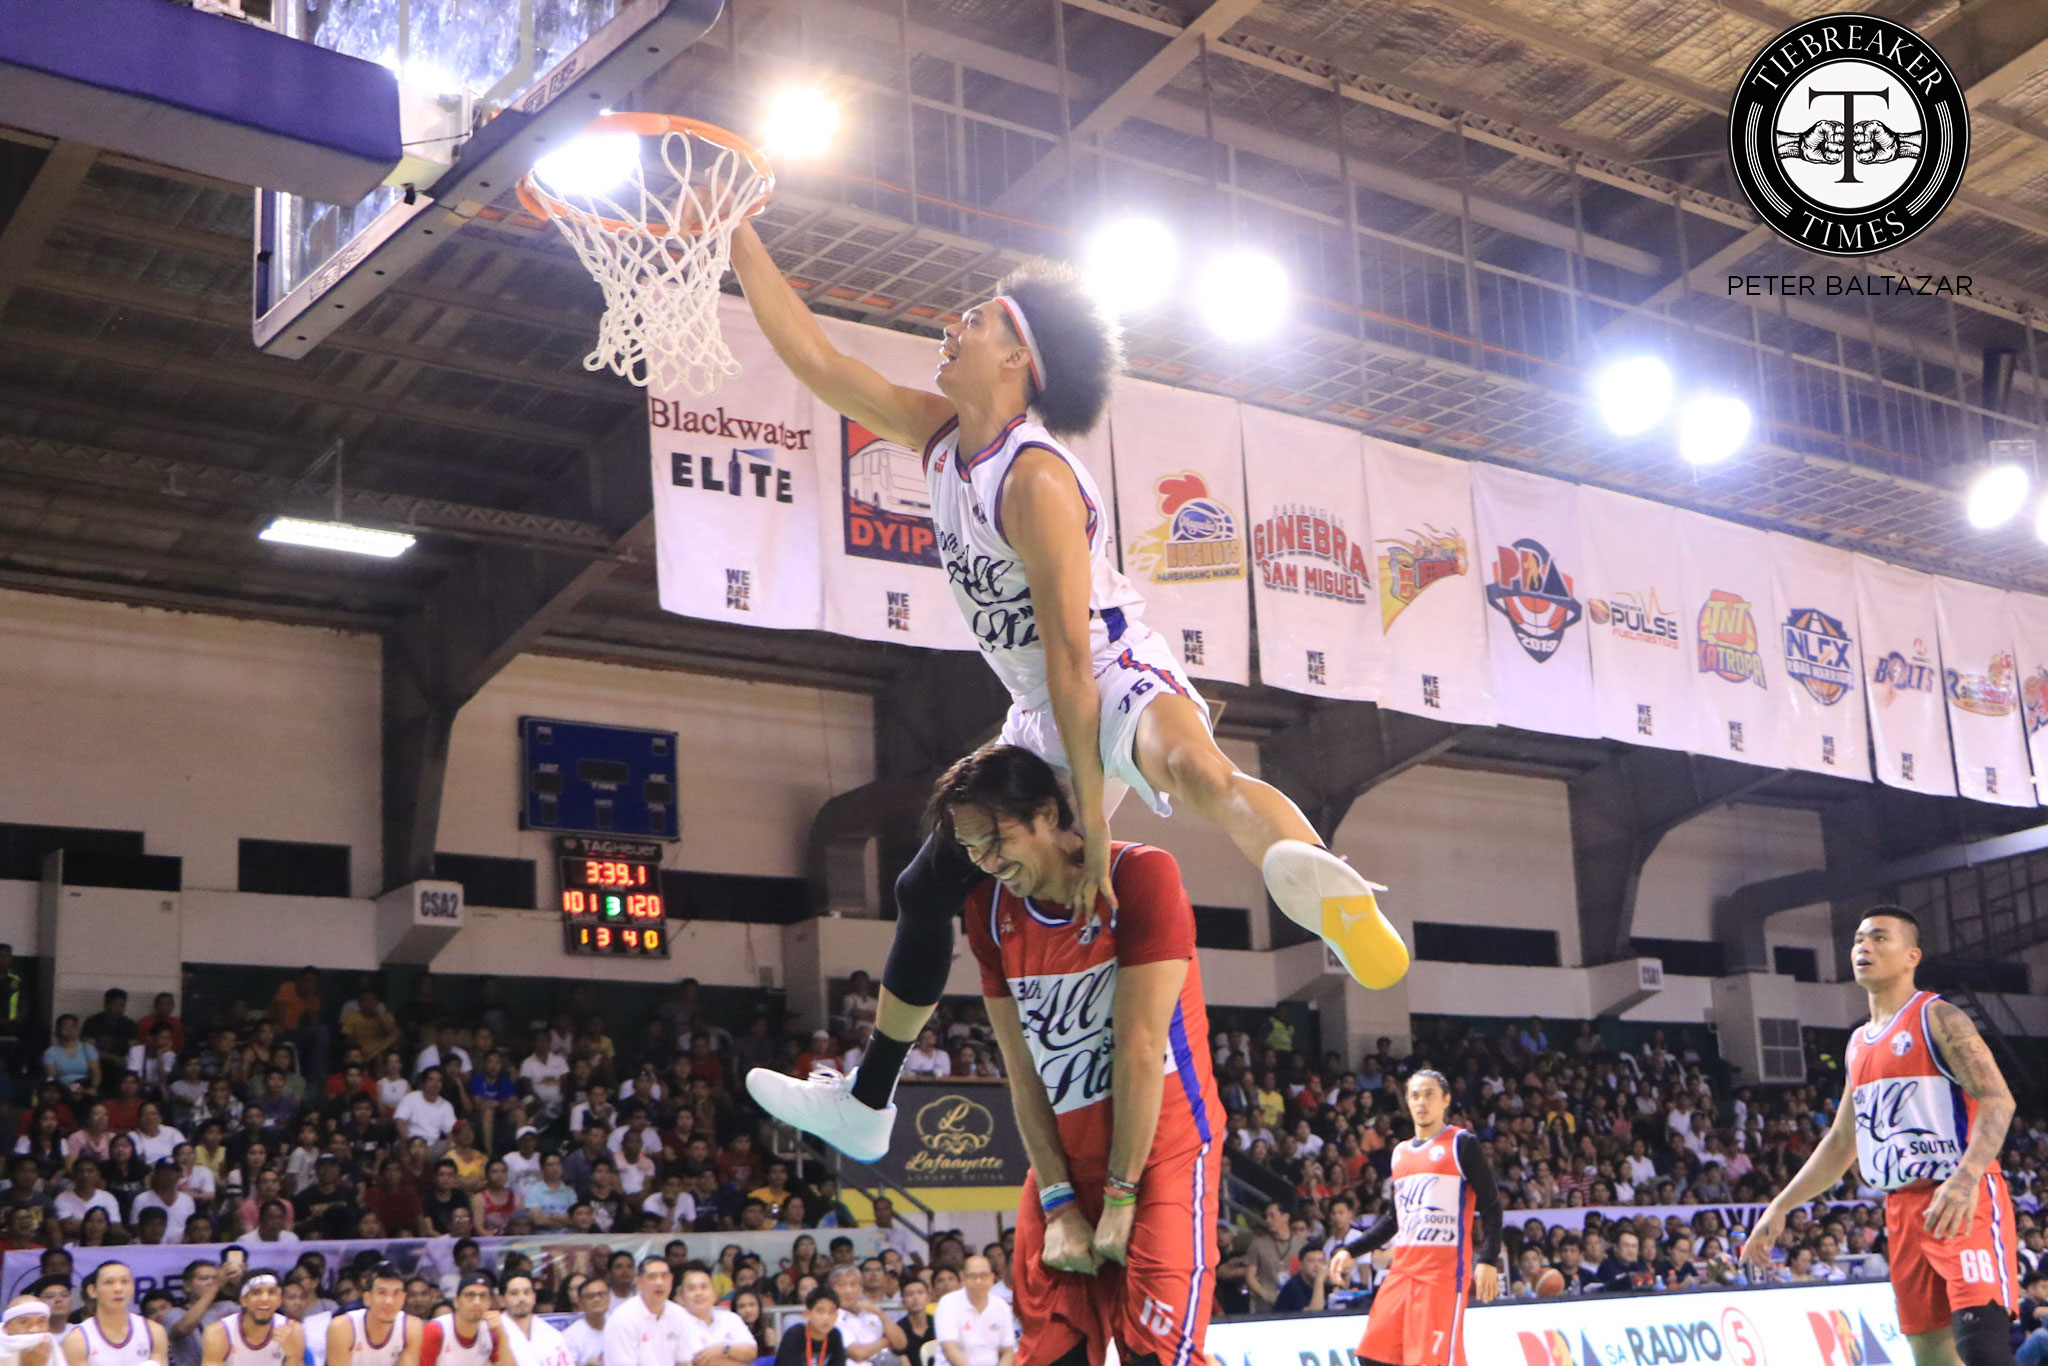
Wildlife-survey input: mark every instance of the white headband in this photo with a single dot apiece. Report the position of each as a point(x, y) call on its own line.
point(259, 1279)
point(23, 1310)
point(1023, 330)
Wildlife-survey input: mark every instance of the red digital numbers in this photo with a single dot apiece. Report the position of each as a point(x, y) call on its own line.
point(612, 906)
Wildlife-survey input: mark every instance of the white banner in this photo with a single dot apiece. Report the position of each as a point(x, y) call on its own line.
point(1820, 648)
point(1316, 606)
point(1796, 1325)
point(1432, 611)
point(736, 496)
point(1180, 498)
point(1642, 666)
point(1532, 567)
point(1902, 676)
point(2030, 648)
point(882, 576)
point(1981, 686)
point(1737, 681)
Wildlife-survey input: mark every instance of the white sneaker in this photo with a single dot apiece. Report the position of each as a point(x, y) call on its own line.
point(1327, 897)
point(822, 1105)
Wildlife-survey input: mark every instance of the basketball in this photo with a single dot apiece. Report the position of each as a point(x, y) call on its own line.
point(1550, 1284)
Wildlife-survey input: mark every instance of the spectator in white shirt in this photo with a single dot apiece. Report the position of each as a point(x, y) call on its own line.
point(585, 1337)
point(87, 1192)
point(711, 1336)
point(975, 1327)
point(392, 1087)
point(523, 1163)
point(899, 1236)
point(163, 1193)
point(154, 1139)
point(669, 1210)
point(425, 1113)
point(153, 1059)
point(861, 1326)
point(859, 1004)
point(543, 1071)
point(926, 1059)
point(646, 1330)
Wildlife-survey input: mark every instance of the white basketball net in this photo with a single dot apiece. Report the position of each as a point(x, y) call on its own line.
point(659, 251)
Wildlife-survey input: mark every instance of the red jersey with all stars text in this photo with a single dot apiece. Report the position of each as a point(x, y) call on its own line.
point(1062, 970)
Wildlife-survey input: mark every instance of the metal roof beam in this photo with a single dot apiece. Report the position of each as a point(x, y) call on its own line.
point(39, 211)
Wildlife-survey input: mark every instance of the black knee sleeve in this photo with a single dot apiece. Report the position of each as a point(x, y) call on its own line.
point(1983, 1335)
point(929, 895)
point(1077, 1355)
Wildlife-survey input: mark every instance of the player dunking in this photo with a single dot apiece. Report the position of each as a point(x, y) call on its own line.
point(1438, 1183)
point(1021, 528)
point(258, 1335)
point(1102, 1026)
point(1923, 1113)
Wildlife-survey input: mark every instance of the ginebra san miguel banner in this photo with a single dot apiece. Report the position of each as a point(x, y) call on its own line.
point(1458, 590)
point(1819, 1325)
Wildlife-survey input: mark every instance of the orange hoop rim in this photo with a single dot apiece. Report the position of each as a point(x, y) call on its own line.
point(650, 125)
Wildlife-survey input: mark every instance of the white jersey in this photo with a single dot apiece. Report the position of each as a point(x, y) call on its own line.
point(132, 1350)
point(585, 1344)
point(269, 1351)
point(375, 1352)
point(442, 1344)
point(542, 1344)
point(987, 577)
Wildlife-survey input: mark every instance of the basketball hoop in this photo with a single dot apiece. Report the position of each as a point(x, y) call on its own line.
point(657, 241)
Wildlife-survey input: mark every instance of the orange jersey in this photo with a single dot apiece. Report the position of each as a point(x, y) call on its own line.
point(1061, 969)
point(1433, 1207)
point(1912, 1118)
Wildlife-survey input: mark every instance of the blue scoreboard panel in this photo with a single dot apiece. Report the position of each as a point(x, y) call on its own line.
point(598, 780)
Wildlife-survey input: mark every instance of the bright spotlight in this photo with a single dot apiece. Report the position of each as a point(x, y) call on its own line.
point(1634, 394)
point(357, 540)
point(800, 124)
point(1996, 496)
point(1243, 295)
point(1712, 427)
point(1130, 264)
point(594, 163)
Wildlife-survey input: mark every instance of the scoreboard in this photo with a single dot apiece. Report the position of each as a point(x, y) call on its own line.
point(611, 897)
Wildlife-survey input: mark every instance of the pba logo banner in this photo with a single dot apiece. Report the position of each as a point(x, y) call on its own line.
point(1199, 540)
point(1639, 617)
point(1984, 694)
point(1306, 550)
point(1534, 595)
point(1849, 134)
point(1817, 654)
point(1728, 639)
point(887, 508)
point(1407, 567)
point(1898, 672)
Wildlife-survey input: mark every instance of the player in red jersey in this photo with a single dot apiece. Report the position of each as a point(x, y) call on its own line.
point(1440, 1181)
point(1102, 1026)
point(1923, 1113)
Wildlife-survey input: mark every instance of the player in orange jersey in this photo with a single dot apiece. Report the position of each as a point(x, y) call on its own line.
point(1439, 1182)
point(1923, 1113)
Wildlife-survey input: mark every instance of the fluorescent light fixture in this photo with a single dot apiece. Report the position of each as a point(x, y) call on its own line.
point(594, 163)
point(357, 540)
point(1130, 264)
point(1243, 295)
point(1633, 394)
point(1996, 497)
point(1712, 427)
point(800, 123)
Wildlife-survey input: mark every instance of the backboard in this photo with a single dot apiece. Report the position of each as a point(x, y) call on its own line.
point(486, 89)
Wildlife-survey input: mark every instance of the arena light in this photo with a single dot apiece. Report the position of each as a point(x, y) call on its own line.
point(1131, 264)
point(1996, 496)
point(590, 164)
point(1634, 394)
point(1243, 295)
point(357, 540)
point(800, 123)
point(1712, 427)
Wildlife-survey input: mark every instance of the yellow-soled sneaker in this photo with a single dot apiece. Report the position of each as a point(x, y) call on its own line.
point(1327, 897)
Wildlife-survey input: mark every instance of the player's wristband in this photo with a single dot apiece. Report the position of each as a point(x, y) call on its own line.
point(1118, 1199)
point(1120, 1185)
point(1056, 1196)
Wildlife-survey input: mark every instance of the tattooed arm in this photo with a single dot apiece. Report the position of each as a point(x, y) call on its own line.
point(1962, 1049)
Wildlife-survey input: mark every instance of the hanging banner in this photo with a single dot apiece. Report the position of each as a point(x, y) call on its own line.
point(736, 494)
point(1316, 603)
point(1180, 498)
point(1532, 570)
point(1432, 612)
point(1820, 649)
point(1980, 684)
point(1737, 682)
point(1642, 667)
point(1902, 675)
point(882, 576)
point(2029, 614)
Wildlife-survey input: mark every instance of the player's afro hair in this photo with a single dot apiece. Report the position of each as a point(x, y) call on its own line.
point(1083, 346)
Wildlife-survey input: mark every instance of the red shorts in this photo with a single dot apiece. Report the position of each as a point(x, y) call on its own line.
point(1157, 1304)
point(1934, 1278)
point(1415, 1323)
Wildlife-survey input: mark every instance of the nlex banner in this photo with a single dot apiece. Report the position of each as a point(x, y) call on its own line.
point(1817, 1325)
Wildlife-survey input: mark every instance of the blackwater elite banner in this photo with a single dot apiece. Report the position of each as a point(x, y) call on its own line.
point(954, 1133)
point(1313, 591)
